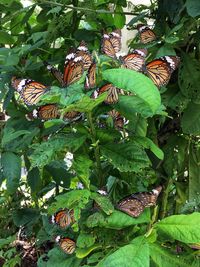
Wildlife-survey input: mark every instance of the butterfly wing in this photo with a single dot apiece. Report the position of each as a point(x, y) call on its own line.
point(160, 70)
point(107, 47)
point(148, 199)
point(55, 72)
point(66, 244)
point(90, 81)
point(32, 91)
point(48, 112)
point(133, 61)
point(72, 116)
point(73, 71)
point(112, 96)
point(82, 51)
point(146, 34)
point(131, 206)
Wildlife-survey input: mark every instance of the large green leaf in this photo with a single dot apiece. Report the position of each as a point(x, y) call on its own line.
point(189, 76)
point(25, 216)
point(163, 258)
point(117, 220)
point(185, 228)
point(11, 164)
point(6, 38)
point(136, 83)
point(135, 254)
point(190, 121)
point(193, 7)
point(126, 157)
point(103, 203)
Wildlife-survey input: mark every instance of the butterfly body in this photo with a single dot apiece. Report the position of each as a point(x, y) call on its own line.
point(90, 81)
point(135, 204)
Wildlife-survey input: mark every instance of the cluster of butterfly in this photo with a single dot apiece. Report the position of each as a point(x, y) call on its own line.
point(80, 60)
point(132, 205)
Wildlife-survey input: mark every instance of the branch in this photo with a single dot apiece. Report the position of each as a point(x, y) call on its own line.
point(100, 11)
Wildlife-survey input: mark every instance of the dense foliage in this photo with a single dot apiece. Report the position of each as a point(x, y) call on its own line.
point(44, 164)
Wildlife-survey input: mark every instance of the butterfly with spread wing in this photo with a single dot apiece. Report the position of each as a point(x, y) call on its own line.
point(135, 60)
point(135, 204)
point(160, 70)
point(111, 43)
point(112, 91)
point(63, 218)
point(66, 244)
point(146, 35)
point(90, 80)
point(29, 90)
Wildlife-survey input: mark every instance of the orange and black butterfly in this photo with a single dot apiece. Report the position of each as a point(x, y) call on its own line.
point(66, 244)
point(90, 80)
point(73, 69)
point(29, 90)
point(72, 116)
point(111, 43)
point(112, 96)
point(82, 51)
point(118, 120)
point(55, 72)
point(135, 60)
point(46, 112)
point(63, 218)
point(160, 70)
point(146, 34)
point(135, 204)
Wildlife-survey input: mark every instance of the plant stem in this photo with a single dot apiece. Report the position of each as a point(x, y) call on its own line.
point(96, 149)
point(165, 199)
point(101, 11)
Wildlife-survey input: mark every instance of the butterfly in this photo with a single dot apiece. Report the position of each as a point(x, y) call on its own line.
point(111, 43)
point(73, 69)
point(63, 218)
point(55, 72)
point(66, 244)
point(72, 116)
point(90, 80)
point(118, 120)
point(112, 96)
point(160, 70)
point(82, 51)
point(46, 112)
point(146, 34)
point(135, 204)
point(29, 90)
point(135, 60)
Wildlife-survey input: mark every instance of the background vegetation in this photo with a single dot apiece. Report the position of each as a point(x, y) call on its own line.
point(165, 122)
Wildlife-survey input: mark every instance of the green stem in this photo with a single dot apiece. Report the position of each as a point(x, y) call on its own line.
point(165, 199)
point(96, 150)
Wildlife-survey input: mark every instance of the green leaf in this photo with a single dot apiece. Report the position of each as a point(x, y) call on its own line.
point(193, 8)
point(86, 104)
point(163, 258)
point(10, 134)
point(70, 200)
point(135, 254)
point(126, 157)
point(25, 216)
point(45, 152)
point(189, 76)
point(82, 165)
point(194, 174)
point(11, 164)
point(57, 258)
point(83, 252)
point(190, 121)
point(34, 180)
point(119, 19)
point(185, 228)
point(149, 144)
point(117, 220)
point(136, 83)
point(85, 240)
point(6, 38)
point(6, 241)
point(103, 202)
